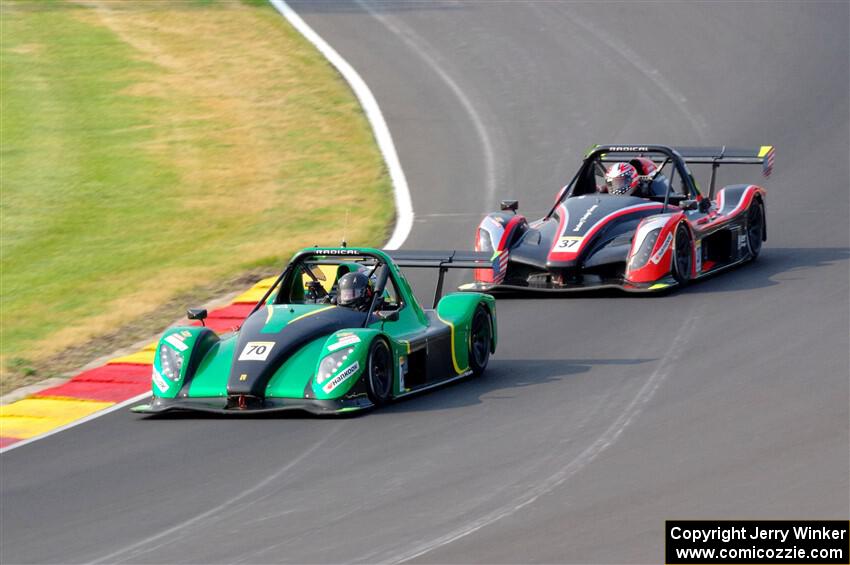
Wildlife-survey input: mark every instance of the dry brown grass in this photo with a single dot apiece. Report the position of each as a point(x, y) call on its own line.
point(269, 148)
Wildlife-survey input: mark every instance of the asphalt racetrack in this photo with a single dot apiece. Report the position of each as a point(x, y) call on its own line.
point(600, 416)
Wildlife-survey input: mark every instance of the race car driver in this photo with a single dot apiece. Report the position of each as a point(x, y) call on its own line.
point(622, 179)
point(355, 291)
point(630, 179)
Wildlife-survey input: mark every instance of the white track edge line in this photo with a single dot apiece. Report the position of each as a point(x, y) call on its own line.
point(403, 202)
point(83, 420)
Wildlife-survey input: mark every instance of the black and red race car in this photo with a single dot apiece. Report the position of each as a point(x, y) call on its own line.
point(665, 234)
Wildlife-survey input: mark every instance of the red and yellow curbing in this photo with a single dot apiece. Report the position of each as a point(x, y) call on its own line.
point(95, 390)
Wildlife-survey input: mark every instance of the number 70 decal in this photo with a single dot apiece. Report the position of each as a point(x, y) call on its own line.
point(256, 351)
point(570, 243)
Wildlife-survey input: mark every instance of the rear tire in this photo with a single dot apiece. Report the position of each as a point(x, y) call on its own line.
point(379, 372)
point(480, 340)
point(755, 228)
point(682, 255)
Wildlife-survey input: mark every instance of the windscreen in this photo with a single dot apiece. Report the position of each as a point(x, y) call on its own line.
point(315, 279)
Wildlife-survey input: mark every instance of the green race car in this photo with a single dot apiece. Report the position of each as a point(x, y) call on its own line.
point(339, 331)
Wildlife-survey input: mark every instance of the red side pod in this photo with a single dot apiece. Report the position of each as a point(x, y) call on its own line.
point(481, 275)
point(744, 201)
point(511, 227)
point(494, 235)
point(659, 261)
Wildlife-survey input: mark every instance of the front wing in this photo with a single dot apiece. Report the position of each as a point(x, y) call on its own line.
point(658, 286)
point(252, 405)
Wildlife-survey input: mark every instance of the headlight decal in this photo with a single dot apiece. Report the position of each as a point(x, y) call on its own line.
point(640, 258)
point(170, 362)
point(333, 363)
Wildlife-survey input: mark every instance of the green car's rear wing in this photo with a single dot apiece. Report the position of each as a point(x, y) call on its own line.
point(443, 260)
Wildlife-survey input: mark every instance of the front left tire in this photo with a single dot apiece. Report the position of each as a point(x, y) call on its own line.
point(379, 372)
point(480, 340)
point(682, 255)
point(755, 228)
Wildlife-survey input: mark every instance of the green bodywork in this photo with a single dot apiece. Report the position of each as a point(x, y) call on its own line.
point(206, 379)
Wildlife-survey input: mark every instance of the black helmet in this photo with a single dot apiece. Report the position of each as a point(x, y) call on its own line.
point(355, 290)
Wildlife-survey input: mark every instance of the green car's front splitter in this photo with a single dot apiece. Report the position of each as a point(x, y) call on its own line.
point(221, 405)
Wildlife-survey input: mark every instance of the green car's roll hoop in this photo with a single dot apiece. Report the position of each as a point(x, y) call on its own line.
point(298, 350)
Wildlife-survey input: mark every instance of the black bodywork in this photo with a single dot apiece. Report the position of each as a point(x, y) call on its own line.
point(587, 239)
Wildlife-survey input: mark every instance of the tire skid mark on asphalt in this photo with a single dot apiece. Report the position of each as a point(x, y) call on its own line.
point(262, 554)
point(257, 556)
point(678, 99)
point(592, 412)
point(144, 546)
point(603, 442)
point(423, 50)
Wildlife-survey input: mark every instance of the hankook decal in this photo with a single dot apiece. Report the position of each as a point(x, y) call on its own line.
point(159, 381)
point(663, 249)
point(342, 377)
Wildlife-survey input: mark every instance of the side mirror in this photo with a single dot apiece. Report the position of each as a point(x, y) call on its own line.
point(689, 204)
point(387, 315)
point(511, 205)
point(197, 314)
point(704, 205)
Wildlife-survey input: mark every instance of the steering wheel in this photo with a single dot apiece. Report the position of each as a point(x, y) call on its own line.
point(315, 291)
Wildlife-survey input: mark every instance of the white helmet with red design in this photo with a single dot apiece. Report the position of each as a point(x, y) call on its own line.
point(622, 179)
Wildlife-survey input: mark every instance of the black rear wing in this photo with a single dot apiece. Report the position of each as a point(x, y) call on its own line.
point(714, 156)
point(443, 261)
point(723, 155)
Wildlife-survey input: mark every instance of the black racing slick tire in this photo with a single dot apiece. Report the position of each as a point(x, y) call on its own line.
point(379, 372)
point(755, 228)
point(480, 340)
point(682, 255)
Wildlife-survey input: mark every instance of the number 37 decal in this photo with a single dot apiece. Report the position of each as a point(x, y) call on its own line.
point(256, 351)
point(569, 243)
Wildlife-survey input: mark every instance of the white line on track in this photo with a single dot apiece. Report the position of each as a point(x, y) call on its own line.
point(420, 47)
point(654, 75)
point(605, 440)
point(88, 418)
point(131, 551)
point(403, 202)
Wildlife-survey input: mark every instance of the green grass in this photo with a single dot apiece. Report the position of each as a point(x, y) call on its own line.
point(147, 150)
